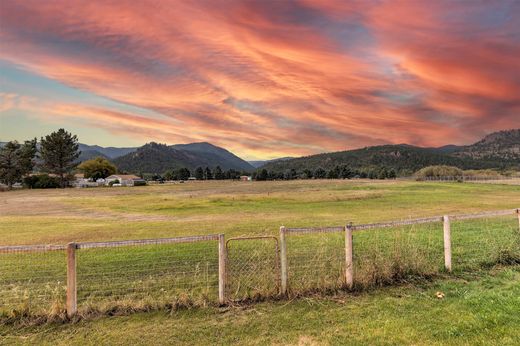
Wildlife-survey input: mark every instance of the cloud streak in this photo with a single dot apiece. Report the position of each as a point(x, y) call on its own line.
point(276, 78)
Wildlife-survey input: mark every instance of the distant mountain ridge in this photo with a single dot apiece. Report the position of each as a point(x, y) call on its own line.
point(502, 145)
point(260, 163)
point(497, 150)
point(158, 158)
point(108, 152)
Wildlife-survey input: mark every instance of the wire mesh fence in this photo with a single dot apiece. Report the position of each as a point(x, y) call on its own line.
point(253, 268)
point(315, 259)
point(386, 255)
point(147, 275)
point(198, 270)
point(32, 279)
point(485, 241)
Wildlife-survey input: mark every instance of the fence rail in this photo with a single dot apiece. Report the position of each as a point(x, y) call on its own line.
point(210, 268)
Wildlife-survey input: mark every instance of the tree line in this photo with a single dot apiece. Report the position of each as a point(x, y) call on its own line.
point(338, 172)
point(56, 154)
point(199, 173)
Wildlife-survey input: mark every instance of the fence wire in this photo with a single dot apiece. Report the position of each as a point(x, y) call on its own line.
point(148, 275)
point(387, 255)
point(315, 261)
point(155, 273)
point(253, 268)
point(485, 241)
point(32, 282)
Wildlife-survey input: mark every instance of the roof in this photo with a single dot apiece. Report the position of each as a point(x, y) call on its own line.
point(124, 176)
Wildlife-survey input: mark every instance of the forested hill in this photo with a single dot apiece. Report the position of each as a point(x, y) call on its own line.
point(498, 150)
point(158, 158)
point(499, 146)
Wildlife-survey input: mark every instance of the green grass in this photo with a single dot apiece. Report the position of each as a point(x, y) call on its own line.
point(232, 208)
point(478, 309)
point(169, 277)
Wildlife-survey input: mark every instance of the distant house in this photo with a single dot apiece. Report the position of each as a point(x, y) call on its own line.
point(125, 180)
point(81, 181)
point(245, 178)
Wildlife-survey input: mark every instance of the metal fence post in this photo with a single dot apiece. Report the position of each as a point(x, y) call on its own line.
point(349, 258)
point(72, 293)
point(221, 269)
point(283, 261)
point(447, 243)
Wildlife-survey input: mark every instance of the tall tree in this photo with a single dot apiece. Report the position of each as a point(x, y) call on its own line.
point(207, 174)
point(183, 173)
point(16, 161)
point(217, 173)
point(199, 173)
point(97, 168)
point(59, 152)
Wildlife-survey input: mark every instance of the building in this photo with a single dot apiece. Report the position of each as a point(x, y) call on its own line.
point(125, 180)
point(245, 178)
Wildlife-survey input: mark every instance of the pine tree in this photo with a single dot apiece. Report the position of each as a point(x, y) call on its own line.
point(59, 152)
point(217, 173)
point(16, 161)
point(199, 173)
point(207, 174)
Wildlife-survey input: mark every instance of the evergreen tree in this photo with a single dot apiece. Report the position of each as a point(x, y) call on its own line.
point(217, 173)
point(59, 152)
point(263, 175)
point(199, 173)
point(307, 174)
point(207, 174)
point(183, 173)
point(169, 175)
point(320, 173)
point(16, 161)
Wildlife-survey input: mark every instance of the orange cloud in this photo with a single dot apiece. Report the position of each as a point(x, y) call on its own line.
point(269, 79)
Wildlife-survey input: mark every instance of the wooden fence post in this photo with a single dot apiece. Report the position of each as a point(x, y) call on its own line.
point(72, 292)
point(518, 214)
point(447, 243)
point(283, 261)
point(349, 258)
point(221, 269)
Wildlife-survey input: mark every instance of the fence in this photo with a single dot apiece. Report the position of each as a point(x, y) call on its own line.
point(200, 270)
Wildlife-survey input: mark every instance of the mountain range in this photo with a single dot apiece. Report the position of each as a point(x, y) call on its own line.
point(497, 150)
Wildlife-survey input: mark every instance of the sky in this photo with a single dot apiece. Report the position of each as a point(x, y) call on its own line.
point(263, 79)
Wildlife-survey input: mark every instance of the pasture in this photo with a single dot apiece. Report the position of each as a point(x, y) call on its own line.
point(409, 257)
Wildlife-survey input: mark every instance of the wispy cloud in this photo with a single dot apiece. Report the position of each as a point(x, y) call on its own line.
point(270, 78)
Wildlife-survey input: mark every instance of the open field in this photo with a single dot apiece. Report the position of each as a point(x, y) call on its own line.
point(392, 256)
point(233, 208)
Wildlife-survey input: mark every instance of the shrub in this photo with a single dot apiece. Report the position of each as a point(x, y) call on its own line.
point(438, 172)
point(41, 181)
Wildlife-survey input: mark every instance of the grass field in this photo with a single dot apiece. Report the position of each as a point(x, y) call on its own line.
point(240, 208)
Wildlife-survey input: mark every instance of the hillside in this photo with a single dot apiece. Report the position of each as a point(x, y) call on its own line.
point(107, 152)
point(210, 155)
point(260, 163)
point(158, 158)
point(499, 146)
point(497, 150)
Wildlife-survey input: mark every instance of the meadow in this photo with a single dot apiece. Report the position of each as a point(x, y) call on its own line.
point(397, 270)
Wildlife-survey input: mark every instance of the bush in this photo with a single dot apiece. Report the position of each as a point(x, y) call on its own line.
point(41, 181)
point(438, 172)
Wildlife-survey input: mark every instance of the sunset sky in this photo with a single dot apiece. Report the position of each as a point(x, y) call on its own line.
point(263, 79)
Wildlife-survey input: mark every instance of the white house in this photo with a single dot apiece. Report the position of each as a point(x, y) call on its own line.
point(125, 179)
